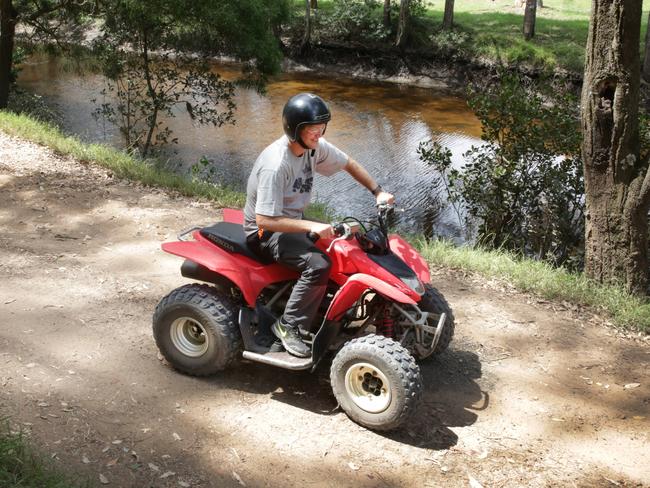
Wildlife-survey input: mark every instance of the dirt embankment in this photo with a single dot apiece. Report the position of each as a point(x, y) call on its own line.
point(530, 394)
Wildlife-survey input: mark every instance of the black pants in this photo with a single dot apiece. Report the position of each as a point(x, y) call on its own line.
point(298, 252)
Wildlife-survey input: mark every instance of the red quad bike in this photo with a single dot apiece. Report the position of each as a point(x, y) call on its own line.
point(379, 316)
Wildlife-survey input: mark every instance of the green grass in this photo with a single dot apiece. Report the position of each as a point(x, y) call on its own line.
point(120, 163)
point(22, 467)
point(495, 29)
point(543, 280)
point(527, 275)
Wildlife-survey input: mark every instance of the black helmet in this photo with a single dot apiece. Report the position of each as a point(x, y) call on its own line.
point(303, 109)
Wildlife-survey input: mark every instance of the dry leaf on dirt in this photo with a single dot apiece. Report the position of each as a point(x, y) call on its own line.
point(103, 479)
point(629, 386)
point(239, 480)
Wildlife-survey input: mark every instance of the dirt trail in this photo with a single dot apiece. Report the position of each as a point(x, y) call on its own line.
point(531, 393)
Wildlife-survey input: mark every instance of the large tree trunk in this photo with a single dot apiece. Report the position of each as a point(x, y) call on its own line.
point(404, 25)
point(306, 39)
point(617, 183)
point(387, 22)
point(646, 57)
point(529, 19)
point(448, 19)
point(8, 17)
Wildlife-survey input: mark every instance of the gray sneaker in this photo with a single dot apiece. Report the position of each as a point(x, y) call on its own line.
point(291, 340)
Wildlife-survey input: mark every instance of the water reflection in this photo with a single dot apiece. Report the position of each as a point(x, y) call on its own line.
point(378, 124)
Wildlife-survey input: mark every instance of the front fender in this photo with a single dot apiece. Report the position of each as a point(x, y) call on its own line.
point(350, 292)
point(411, 257)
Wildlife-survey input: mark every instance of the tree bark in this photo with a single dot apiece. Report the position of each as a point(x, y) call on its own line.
point(529, 19)
point(448, 19)
point(387, 22)
point(8, 17)
point(617, 182)
point(306, 39)
point(646, 57)
point(404, 25)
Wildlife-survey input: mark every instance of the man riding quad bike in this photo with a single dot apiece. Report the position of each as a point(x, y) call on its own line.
point(316, 287)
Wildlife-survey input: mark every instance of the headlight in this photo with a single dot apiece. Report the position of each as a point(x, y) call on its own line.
point(414, 284)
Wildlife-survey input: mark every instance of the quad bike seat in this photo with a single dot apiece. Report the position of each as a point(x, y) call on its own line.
point(231, 237)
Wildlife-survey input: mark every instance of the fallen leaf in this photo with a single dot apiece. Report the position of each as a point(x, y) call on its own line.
point(354, 467)
point(183, 484)
point(473, 483)
point(112, 462)
point(103, 479)
point(167, 474)
point(153, 467)
point(176, 436)
point(85, 460)
point(629, 386)
point(239, 480)
point(556, 419)
point(117, 441)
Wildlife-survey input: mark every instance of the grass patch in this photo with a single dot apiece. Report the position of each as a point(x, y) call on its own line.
point(21, 466)
point(542, 280)
point(120, 163)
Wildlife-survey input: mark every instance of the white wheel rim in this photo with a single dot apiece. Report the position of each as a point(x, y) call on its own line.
point(368, 387)
point(189, 337)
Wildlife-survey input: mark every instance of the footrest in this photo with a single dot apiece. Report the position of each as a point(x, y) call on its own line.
point(280, 359)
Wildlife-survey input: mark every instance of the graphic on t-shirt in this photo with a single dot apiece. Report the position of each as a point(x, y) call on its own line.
point(305, 187)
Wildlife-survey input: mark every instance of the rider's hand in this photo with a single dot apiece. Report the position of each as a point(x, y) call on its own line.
point(385, 197)
point(325, 231)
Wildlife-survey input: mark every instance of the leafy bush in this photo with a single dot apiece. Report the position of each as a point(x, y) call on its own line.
point(355, 20)
point(524, 185)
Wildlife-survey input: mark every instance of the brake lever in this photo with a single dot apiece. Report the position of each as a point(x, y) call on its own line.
point(347, 232)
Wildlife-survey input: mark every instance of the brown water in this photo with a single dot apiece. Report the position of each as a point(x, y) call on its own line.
point(378, 124)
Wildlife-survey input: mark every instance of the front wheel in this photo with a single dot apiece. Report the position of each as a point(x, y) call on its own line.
point(196, 330)
point(376, 382)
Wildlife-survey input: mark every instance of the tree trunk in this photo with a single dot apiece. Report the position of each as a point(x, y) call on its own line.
point(404, 25)
point(448, 19)
point(8, 16)
point(617, 182)
point(306, 39)
point(646, 57)
point(529, 19)
point(387, 22)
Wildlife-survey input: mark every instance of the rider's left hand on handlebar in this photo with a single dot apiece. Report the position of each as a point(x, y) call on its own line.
point(383, 197)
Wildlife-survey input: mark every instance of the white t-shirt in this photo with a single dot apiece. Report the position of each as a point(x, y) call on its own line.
point(280, 183)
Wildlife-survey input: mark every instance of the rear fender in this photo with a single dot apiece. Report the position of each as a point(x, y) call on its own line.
point(350, 292)
point(248, 275)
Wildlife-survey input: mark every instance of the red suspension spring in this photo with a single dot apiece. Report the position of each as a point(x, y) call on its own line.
point(386, 328)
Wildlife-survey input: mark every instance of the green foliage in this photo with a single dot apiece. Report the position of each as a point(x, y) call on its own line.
point(354, 20)
point(524, 185)
point(145, 87)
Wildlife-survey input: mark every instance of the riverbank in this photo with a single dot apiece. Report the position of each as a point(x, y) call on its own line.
point(616, 307)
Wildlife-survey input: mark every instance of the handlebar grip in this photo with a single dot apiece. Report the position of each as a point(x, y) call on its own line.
point(339, 229)
point(313, 236)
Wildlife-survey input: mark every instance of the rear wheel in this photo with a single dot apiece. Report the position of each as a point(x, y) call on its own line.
point(196, 330)
point(376, 382)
